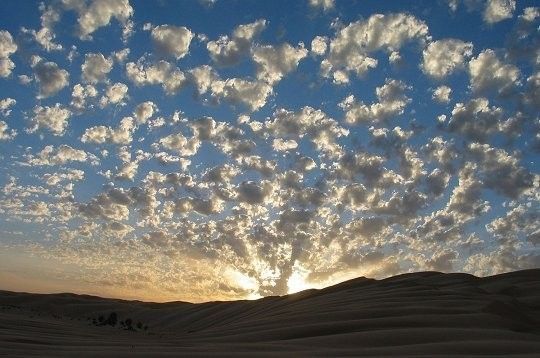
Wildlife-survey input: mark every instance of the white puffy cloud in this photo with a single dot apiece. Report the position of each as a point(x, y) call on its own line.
point(498, 10)
point(80, 95)
point(443, 57)
point(392, 102)
point(322, 4)
point(7, 47)
point(55, 119)
point(96, 68)
point(314, 124)
point(476, 120)
point(63, 154)
point(5, 106)
point(144, 111)
point(115, 94)
point(252, 94)
point(164, 73)
point(5, 132)
point(98, 13)
point(50, 78)
point(123, 134)
point(229, 51)
point(501, 172)
point(350, 49)
point(442, 94)
point(489, 74)
point(172, 40)
point(275, 62)
point(319, 45)
point(179, 143)
point(45, 36)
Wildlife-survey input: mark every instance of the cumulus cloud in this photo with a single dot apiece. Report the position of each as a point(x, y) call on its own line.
point(50, 78)
point(80, 96)
point(5, 106)
point(98, 13)
point(475, 119)
point(501, 172)
point(392, 102)
point(163, 73)
point(443, 57)
point(172, 40)
point(275, 62)
point(55, 119)
point(498, 10)
point(95, 68)
point(489, 74)
point(7, 47)
point(228, 51)
point(5, 132)
point(144, 111)
point(350, 49)
point(63, 154)
point(123, 134)
point(114, 94)
point(322, 4)
point(442, 94)
point(252, 94)
point(319, 45)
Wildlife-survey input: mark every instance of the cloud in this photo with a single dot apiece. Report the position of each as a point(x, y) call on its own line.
point(164, 73)
point(392, 102)
point(98, 13)
point(7, 47)
point(50, 78)
point(229, 51)
point(5, 106)
point(319, 45)
point(80, 95)
point(275, 62)
point(182, 145)
point(443, 57)
point(442, 94)
point(252, 94)
point(123, 134)
point(350, 49)
point(61, 155)
point(5, 132)
point(498, 10)
point(476, 120)
point(501, 171)
point(322, 4)
point(144, 111)
point(55, 119)
point(489, 74)
point(289, 127)
point(172, 40)
point(96, 68)
point(114, 94)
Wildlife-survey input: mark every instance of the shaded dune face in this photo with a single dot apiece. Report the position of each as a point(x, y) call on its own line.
point(425, 313)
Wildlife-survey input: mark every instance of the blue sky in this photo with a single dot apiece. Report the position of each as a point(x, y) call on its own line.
point(202, 150)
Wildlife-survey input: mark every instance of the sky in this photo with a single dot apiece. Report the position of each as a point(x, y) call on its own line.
point(221, 150)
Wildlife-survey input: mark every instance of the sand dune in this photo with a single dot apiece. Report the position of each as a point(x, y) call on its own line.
point(419, 314)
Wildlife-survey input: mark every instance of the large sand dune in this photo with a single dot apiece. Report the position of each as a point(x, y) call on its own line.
point(426, 313)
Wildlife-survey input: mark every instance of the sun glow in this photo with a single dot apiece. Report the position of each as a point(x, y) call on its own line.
point(297, 281)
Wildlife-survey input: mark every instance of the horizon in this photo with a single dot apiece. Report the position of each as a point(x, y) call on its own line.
point(150, 152)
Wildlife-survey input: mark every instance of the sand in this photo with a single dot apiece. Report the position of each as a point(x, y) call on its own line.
point(419, 314)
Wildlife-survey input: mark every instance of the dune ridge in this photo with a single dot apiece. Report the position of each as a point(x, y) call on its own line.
point(416, 314)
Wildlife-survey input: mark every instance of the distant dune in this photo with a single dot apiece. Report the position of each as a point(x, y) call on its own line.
point(419, 314)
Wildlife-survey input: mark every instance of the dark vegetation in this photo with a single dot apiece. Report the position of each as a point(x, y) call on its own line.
point(112, 320)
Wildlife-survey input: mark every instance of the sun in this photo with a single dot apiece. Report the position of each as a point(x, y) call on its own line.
point(297, 282)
